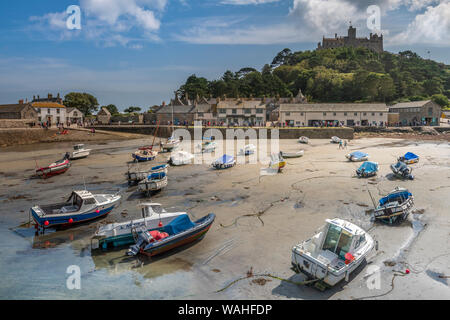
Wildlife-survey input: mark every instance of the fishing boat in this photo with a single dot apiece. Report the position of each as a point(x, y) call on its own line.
point(154, 182)
point(134, 175)
point(395, 207)
point(144, 155)
point(409, 158)
point(154, 217)
point(333, 253)
point(180, 158)
point(277, 162)
point(179, 232)
point(335, 139)
point(248, 149)
point(170, 144)
point(55, 168)
point(224, 162)
point(303, 139)
point(293, 154)
point(81, 206)
point(357, 156)
point(79, 152)
point(401, 170)
point(367, 169)
point(209, 147)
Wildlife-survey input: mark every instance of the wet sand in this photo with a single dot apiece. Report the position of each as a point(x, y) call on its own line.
point(258, 221)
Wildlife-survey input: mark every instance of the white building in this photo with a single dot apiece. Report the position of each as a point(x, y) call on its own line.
point(52, 112)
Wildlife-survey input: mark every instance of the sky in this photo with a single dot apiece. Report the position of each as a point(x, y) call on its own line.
point(138, 52)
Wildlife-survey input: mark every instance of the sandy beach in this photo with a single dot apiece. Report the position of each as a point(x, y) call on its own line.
point(259, 219)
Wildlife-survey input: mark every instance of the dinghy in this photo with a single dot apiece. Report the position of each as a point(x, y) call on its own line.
point(170, 144)
point(81, 206)
point(144, 155)
point(292, 154)
point(335, 139)
point(154, 182)
point(180, 158)
point(179, 232)
point(395, 207)
point(248, 149)
point(333, 253)
point(154, 217)
point(303, 139)
point(54, 169)
point(209, 147)
point(357, 156)
point(409, 158)
point(79, 152)
point(277, 162)
point(135, 175)
point(367, 169)
point(224, 162)
point(401, 170)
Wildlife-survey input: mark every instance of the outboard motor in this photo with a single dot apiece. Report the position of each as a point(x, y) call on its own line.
point(143, 239)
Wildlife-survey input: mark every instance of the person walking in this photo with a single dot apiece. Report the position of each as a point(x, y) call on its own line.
point(340, 145)
point(345, 144)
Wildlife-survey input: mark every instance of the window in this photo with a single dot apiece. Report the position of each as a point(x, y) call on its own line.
point(48, 111)
point(75, 114)
point(40, 119)
point(57, 111)
point(247, 111)
point(200, 114)
point(365, 114)
point(233, 111)
point(39, 111)
point(355, 114)
point(334, 113)
point(345, 113)
point(89, 201)
point(324, 113)
point(381, 113)
point(288, 113)
point(373, 114)
point(57, 119)
point(222, 111)
point(430, 111)
point(301, 113)
point(259, 110)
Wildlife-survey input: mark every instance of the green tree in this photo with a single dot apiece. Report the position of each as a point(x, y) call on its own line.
point(441, 100)
point(132, 109)
point(84, 102)
point(112, 109)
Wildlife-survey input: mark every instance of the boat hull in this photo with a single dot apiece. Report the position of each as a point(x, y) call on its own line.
point(152, 185)
point(53, 170)
point(80, 155)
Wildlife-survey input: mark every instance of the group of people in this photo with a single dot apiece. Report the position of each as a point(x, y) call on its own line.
point(343, 144)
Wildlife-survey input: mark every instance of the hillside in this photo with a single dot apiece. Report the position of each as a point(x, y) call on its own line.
point(334, 75)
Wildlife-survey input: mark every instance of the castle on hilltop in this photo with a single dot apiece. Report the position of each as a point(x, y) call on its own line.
point(375, 42)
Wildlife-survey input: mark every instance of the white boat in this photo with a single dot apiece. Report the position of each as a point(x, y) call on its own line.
point(180, 158)
point(335, 139)
point(333, 253)
point(79, 152)
point(248, 149)
point(209, 147)
point(357, 156)
point(119, 234)
point(170, 144)
point(134, 175)
point(303, 140)
point(293, 154)
point(277, 162)
point(154, 182)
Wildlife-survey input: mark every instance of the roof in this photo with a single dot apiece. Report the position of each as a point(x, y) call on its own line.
point(104, 110)
point(203, 108)
point(47, 105)
point(69, 110)
point(334, 107)
point(176, 109)
point(411, 104)
point(238, 104)
point(6, 108)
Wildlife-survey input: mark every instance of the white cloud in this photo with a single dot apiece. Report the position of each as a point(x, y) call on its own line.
point(247, 2)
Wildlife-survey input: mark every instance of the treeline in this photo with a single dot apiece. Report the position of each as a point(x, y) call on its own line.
point(333, 75)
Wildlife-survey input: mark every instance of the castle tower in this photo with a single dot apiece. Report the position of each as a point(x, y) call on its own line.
point(351, 32)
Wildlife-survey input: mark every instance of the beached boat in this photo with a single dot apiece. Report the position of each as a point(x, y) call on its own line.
point(79, 152)
point(303, 139)
point(224, 162)
point(248, 149)
point(333, 253)
point(154, 217)
point(209, 147)
point(277, 162)
point(134, 175)
point(409, 158)
point(395, 207)
point(367, 169)
point(180, 158)
point(144, 155)
point(357, 156)
point(293, 154)
point(81, 206)
point(179, 232)
point(401, 170)
point(154, 182)
point(55, 168)
point(170, 144)
point(335, 139)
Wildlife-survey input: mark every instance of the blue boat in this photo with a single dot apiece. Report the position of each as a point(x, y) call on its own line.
point(357, 156)
point(395, 207)
point(401, 170)
point(154, 182)
point(144, 155)
point(224, 162)
point(367, 169)
point(179, 232)
point(409, 158)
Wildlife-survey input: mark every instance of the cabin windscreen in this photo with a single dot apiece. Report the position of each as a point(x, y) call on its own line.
point(337, 241)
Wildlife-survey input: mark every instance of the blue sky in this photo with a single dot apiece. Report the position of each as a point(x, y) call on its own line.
point(137, 52)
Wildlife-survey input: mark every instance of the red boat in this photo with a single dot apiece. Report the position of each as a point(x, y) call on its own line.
point(146, 148)
point(54, 169)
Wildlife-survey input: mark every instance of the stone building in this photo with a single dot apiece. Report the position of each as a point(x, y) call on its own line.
point(73, 115)
point(20, 111)
point(103, 116)
point(334, 114)
point(242, 111)
point(375, 42)
point(181, 111)
point(418, 113)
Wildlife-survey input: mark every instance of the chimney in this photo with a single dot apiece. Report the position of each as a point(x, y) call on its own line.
point(163, 103)
point(21, 101)
point(335, 35)
point(38, 97)
point(50, 96)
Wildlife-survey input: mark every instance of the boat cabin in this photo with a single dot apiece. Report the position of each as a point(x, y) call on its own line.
point(78, 201)
point(151, 209)
point(78, 147)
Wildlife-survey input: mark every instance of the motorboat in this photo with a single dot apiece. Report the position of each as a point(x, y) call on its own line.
point(209, 147)
point(154, 182)
point(134, 175)
point(248, 149)
point(395, 207)
point(333, 253)
point(81, 206)
point(367, 169)
point(154, 217)
point(179, 232)
point(144, 155)
point(180, 158)
point(409, 158)
point(303, 139)
point(335, 139)
point(224, 162)
point(277, 162)
point(401, 170)
point(170, 144)
point(293, 154)
point(55, 168)
point(79, 152)
point(357, 156)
